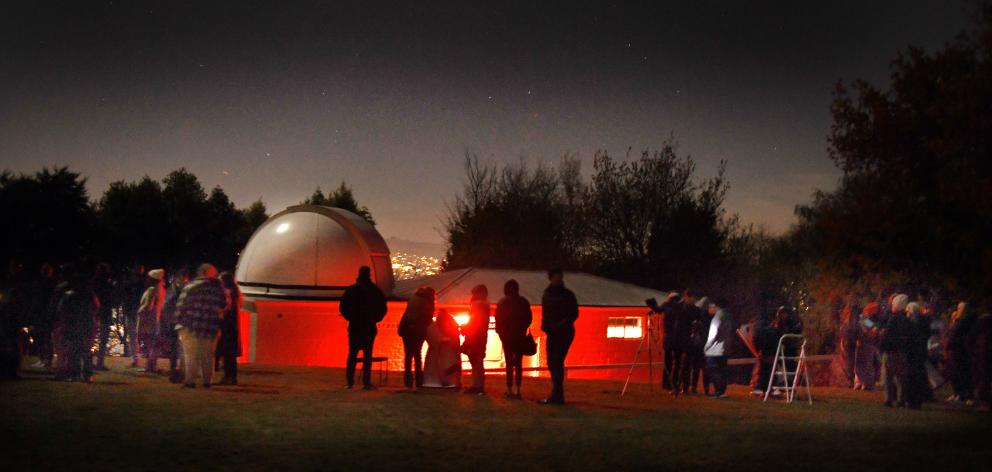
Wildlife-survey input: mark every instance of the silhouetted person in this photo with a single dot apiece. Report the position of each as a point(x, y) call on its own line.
point(559, 309)
point(168, 333)
point(695, 359)
point(43, 312)
point(131, 287)
point(363, 305)
point(419, 314)
point(916, 387)
point(77, 311)
point(200, 311)
point(867, 357)
point(847, 345)
point(103, 285)
point(476, 333)
point(671, 314)
point(894, 341)
point(149, 314)
point(766, 342)
point(513, 317)
point(958, 355)
point(229, 344)
point(788, 322)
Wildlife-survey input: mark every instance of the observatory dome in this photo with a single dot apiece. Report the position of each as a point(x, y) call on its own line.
point(312, 251)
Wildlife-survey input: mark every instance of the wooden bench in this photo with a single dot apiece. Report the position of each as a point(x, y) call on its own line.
point(383, 367)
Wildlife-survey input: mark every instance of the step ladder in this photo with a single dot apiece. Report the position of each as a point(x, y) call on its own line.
point(782, 380)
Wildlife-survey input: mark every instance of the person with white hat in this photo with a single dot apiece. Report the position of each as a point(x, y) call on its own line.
point(149, 312)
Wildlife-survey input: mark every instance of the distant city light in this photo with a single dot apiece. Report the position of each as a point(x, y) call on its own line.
point(412, 266)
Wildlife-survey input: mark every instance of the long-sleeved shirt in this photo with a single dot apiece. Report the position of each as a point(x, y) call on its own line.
point(201, 306)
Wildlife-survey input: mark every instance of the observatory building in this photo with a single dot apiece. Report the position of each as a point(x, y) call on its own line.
point(297, 265)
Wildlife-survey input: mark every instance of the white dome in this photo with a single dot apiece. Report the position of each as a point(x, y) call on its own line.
point(312, 251)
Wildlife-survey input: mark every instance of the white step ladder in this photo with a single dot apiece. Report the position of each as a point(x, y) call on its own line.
point(781, 379)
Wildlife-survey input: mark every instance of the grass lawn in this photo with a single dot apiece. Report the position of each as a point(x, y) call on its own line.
point(301, 417)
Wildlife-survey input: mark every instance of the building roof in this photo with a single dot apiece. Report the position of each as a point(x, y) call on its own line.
point(454, 287)
point(312, 251)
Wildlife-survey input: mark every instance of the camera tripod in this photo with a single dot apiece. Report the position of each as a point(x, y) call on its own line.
point(649, 337)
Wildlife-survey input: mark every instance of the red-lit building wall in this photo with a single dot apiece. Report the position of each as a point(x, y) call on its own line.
point(314, 333)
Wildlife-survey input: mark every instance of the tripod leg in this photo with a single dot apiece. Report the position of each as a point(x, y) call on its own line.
point(632, 365)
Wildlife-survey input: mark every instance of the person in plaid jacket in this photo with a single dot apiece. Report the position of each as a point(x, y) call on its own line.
point(200, 311)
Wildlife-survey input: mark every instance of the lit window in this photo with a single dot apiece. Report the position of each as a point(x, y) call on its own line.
point(623, 327)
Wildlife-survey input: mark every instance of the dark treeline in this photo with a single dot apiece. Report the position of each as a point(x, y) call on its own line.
point(173, 223)
point(645, 220)
point(912, 212)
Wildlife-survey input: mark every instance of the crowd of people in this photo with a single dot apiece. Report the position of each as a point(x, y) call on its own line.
point(909, 345)
point(696, 337)
point(904, 345)
point(363, 305)
point(63, 316)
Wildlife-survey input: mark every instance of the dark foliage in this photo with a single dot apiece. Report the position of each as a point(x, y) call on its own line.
point(342, 198)
point(48, 217)
point(917, 162)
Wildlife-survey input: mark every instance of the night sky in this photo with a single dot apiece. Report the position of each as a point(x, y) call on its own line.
point(271, 100)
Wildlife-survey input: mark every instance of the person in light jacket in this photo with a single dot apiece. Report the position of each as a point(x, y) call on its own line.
point(719, 336)
point(443, 363)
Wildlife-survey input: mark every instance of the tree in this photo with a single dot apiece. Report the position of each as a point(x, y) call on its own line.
point(514, 217)
point(187, 214)
point(224, 225)
point(251, 217)
point(342, 198)
point(133, 218)
point(649, 222)
point(914, 197)
point(49, 217)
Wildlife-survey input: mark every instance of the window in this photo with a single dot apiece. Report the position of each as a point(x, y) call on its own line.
point(623, 327)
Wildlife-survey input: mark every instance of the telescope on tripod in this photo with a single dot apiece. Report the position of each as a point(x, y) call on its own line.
point(651, 340)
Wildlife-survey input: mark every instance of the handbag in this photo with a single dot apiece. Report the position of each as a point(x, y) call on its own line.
point(528, 347)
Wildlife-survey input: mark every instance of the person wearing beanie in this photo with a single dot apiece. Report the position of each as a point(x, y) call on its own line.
point(893, 344)
point(867, 359)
